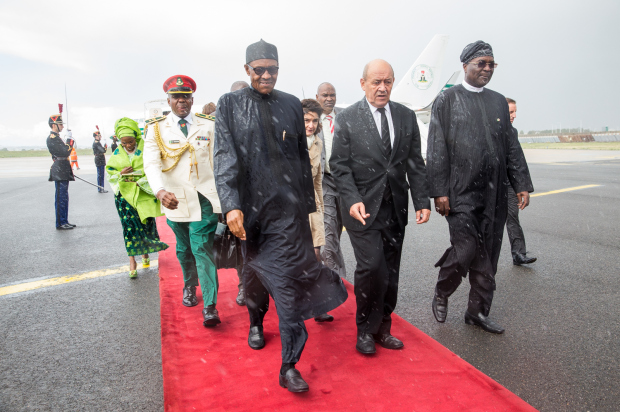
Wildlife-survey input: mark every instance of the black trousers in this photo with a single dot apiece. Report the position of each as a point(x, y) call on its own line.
point(377, 251)
point(513, 227)
point(293, 335)
point(451, 275)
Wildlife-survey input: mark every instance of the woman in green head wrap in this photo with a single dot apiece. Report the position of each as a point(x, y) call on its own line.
point(136, 205)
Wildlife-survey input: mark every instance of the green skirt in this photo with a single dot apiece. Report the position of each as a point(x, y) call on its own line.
point(140, 239)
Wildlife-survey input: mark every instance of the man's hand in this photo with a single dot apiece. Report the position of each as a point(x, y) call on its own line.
point(168, 199)
point(358, 212)
point(422, 216)
point(234, 219)
point(127, 170)
point(442, 205)
point(524, 200)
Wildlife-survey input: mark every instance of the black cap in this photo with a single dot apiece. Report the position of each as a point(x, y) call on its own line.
point(476, 49)
point(261, 50)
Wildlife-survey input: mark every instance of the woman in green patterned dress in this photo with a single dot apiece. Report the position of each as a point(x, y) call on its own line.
point(135, 203)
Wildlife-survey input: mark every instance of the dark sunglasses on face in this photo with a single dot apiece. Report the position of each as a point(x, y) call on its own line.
point(482, 64)
point(273, 70)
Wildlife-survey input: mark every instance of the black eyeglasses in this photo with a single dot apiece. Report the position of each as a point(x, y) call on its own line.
point(482, 64)
point(273, 70)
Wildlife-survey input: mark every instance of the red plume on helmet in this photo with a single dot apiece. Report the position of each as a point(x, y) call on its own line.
point(60, 108)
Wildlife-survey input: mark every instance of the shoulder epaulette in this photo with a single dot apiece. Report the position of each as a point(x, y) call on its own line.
point(205, 116)
point(155, 119)
point(52, 135)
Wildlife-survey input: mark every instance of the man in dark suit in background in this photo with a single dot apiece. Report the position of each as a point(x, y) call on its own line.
point(376, 150)
point(332, 253)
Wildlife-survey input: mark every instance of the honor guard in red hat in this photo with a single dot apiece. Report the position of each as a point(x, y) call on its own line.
point(178, 153)
point(60, 172)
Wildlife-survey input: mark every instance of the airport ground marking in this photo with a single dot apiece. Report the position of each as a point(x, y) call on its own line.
point(27, 286)
point(568, 189)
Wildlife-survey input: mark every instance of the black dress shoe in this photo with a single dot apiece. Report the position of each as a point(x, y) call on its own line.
point(256, 339)
point(365, 344)
point(211, 317)
point(388, 341)
point(64, 227)
point(484, 322)
point(189, 296)
point(72, 225)
point(521, 259)
point(440, 308)
point(240, 297)
point(293, 381)
point(324, 318)
point(103, 191)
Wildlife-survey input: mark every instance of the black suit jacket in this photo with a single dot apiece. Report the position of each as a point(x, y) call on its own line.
point(361, 168)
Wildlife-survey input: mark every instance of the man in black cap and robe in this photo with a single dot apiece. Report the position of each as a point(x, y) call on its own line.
point(264, 181)
point(471, 152)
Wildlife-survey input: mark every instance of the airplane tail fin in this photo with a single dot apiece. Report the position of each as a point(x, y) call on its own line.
point(420, 85)
point(452, 81)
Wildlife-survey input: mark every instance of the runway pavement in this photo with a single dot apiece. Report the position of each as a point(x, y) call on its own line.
point(94, 344)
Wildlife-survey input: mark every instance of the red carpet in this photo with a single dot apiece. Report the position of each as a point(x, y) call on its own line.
point(215, 370)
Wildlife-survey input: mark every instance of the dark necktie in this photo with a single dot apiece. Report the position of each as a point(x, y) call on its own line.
point(385, 133)
point(183, 124)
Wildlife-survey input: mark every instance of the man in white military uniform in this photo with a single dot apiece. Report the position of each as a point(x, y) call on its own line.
point(178, 162)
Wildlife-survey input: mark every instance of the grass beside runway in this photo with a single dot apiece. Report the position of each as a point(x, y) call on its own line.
point(38, 153)
point(574, 146)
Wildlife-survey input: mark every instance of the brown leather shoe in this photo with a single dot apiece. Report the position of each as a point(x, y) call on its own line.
point(388, 341)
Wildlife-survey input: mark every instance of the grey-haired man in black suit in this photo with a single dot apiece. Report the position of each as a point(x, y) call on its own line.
point(376, 159)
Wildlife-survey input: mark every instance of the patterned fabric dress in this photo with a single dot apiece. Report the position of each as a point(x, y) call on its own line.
point(140, 239)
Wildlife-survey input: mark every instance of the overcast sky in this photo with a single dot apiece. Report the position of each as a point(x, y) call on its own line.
point(558, 59)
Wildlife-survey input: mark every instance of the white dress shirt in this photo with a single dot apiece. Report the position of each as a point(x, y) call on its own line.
point(471, 88)
point(377, 116)
point(328, 137)
point(176, 119)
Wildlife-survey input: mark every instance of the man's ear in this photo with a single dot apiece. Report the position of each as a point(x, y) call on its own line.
point(363, 84)
point(247, 69)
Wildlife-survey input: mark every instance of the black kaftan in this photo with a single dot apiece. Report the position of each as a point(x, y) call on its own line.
point(471, 152)
point(262, 167)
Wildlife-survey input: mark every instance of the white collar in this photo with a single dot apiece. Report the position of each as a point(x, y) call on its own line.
point(374, 109)
point(471, 88)
point(332, 114)
point(176, 118)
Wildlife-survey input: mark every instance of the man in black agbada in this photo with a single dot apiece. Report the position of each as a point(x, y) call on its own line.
point(60, 172)
point(264, 181)
point(471, 152)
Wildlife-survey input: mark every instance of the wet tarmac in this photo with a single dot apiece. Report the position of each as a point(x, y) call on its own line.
point(95, 344)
